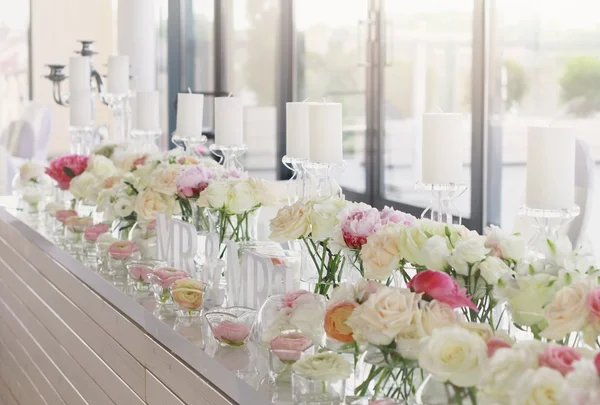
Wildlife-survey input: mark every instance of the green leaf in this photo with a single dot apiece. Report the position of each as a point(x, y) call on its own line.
point(531, 269)
point(551, 245)
point(69, 172)
point(447, 231)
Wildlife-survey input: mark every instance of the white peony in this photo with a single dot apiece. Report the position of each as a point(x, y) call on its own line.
point(493, 269)
point(101, 167)
point(291, 223)
point(431, 228)
point(410, 242)
point(343, 292)
point(30, 171)
point(503, 245)
point(263, 191)
point(583, 385)
point(468, 252)
point(435, 253)
point(324, 218)
point(538, 387)
point(85, 186)
point(568, 311)
point(455, 355)
point(528, 299)
point(216, 195)
point(241, 196)
point(123, 207)
point(327, 366)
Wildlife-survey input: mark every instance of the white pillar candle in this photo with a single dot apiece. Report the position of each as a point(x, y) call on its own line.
point(550, 168)
point(443, 148)
point(190, 108)
point(79, 73)
point(118, 74)
point(80, 108)
point(229, 121)
point(296, 130)
point(147, 111)
point(325, 132)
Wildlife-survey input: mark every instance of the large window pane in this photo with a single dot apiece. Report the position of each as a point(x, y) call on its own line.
point(545, 70)
point(428, 69)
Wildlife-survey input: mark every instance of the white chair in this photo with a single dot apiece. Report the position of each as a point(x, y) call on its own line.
point(28, 137)
point(584, 188)
point(40, 118)
point(19, 139)
point(7, 171)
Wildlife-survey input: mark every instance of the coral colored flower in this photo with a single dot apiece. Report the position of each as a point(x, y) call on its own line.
point(358, 223)
point(593, 301)
point(192, 180)
point(440, 286)
point(63, 169)
point(92, 232)
point(494, 344)
point(62, 215)
point(122, 249)
point(335, 321)
point(560, 358)
point(232, 333)
point(289, 347)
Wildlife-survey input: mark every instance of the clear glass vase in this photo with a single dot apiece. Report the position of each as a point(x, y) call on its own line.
point(240, 227)
point(122, 228)
point(313, 391)
point(434, 392)
point(145, 237)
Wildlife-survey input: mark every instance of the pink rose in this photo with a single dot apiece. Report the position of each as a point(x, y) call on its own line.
point(593, 301)
point(496, 343)
point(122, 249)
point(192, 180)
point(230, 332)
point(64, 168)
point(62, 215)
point(559, 358)
point(92, 232)
point(440, 286)
point(390, 216)
point(289, 347)
point(166, 276)
point(358, 223)
point(288, 299)
point(383, 401)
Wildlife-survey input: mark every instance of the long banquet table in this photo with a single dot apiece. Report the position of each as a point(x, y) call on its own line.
point(68, 336)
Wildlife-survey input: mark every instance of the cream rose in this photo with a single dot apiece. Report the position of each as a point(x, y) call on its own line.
point(468, 252)
point(324, 218)
point(216, 195)
point(149, 202)
point(291, 223)
point(162, 179)
point(411, 241)
point(326, 366)
point(538, 387)
point(568, 311)
point(241, 196)
point(455, 355)
point(381, 254)
point(434, 315)
point(263, 191)
point(387, 314)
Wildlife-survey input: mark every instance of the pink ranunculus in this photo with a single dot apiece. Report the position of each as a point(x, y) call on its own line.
point(92, 232)
point(289, 347)
point(64, 168)
point(383, 401)
point(597, 363)
point(593, 301)
point(358, 223)
point(496, 343)
point(288, 299)
point(192, 180)
point(62, 215)
point(231, 332)
point(166, 276)
point(390, 216)
point(139, 271)
point(560, 358)
point(440, 286)
point(122, 249)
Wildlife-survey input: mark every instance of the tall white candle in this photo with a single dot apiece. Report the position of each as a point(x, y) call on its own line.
point(79, 73)
point(190, 108)
point(443, 145)
point(80, 108)
point(229, 121)
point(147, 111)
point(296, 130)
point(118, 74)
point(550, 168)
point(325, 132)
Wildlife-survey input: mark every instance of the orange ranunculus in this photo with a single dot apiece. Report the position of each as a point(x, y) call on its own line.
point(335, 321)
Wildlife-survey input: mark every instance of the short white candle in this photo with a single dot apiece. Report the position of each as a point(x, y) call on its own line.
point(80, 108)
point(443, 146)
point(147, 111)
point(79, 73)
point(550, 168)
point(296, 130)
point(229, 121)
point(190, 108)
point(118, 74)
point(325, 132)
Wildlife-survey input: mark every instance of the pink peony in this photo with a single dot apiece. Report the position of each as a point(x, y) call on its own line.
point(92, 232)
point(289, 347)
point(597, 363)
point(390, 216)
point(166, 276)
point(593, 301)
point(496, 343)
point(440, 286)
point(288, 299)
point(560, 358)
point(122, 249)
point(231, 332)
point(62, 215)
point(63, 169)
point(358, 223)
point(192, 180)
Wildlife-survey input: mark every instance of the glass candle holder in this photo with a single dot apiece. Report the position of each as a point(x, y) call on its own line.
point(161, 280)
point(90, 236)
point(103, 242)
point(140, 271)
point(75, 227)
point(61, 217)
point(231, 326)
point(188, 295)
point(119, 253)
point(284, 351)
point(312, 391)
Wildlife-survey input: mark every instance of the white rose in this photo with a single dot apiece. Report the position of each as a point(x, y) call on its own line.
point(381, 254)
point(527, 301)
point(123, 207)
point(454, 354)
point(324, 218)
point(538, 387)
point(503, 245)
point(149, 202)
point(435, 253)
point(326, 366)
point(386, 315)
point(216, 195)
point(411, 241)
point(241, 197)
point(468, 252)
point(568, 311)
point(291, 223)
point(85, 186)
point(493, 269)
point(162, 179)
point(101, 167)
point(30, 171)
point(582, 385)
point(263, 191)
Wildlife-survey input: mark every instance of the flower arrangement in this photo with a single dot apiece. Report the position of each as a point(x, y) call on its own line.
point(65, 168)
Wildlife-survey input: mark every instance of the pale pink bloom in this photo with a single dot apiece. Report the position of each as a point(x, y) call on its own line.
point(192, 180)
point(63, 169)
point(390, 216)
point(201, 150)
point(358, 223)
point(593, 301)
point(383, 401)
point(151, 226)
point(139, 272)
point(166, 276)
point(440, 286)
point(62, 215)
point(289, 347)
point(122, 249)
point(234, 173)
point(496, 343)
point(231, 332)
point(139, 161)
point(288, 299)
point(92, 232)
point(560, 358)
point(597, 363)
